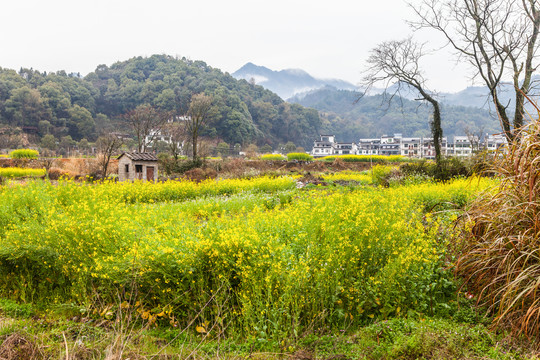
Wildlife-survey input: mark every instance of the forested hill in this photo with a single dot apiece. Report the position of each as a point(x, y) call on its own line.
point(62, 104)
point(371, 116)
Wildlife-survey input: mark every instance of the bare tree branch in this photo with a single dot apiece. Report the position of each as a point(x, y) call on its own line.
point(146, 122)
point(499, 38)
point(107, 146)
point(199, 114)
point(399, 62)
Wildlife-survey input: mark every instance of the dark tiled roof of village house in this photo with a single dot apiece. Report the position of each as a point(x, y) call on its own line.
point(136, 156)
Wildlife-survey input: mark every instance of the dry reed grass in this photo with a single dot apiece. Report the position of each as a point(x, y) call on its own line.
point(500, 241)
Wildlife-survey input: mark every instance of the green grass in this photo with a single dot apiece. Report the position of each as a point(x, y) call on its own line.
point(50, 332)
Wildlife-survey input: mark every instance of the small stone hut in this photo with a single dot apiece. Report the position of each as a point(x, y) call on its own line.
point(137, 166)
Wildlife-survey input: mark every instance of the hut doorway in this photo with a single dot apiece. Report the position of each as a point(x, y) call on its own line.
point(150, 173)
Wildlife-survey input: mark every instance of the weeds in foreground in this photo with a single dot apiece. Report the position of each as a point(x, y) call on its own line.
point(423, 338)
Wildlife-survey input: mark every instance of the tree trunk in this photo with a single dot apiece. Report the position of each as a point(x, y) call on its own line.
point(194, 145)
point(503, 117)
point(436, 128)
point(436, 131)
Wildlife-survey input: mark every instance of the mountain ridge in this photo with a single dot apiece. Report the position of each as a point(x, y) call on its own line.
point(287, 85)
point(287, 82)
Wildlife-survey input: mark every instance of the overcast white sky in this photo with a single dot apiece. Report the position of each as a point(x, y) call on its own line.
point(328, 39)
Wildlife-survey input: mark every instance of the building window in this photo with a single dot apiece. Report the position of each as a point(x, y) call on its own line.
point(127, 168)
point(138, 168)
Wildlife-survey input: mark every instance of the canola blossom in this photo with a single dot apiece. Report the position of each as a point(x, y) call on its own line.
point(363, 177)
point(15, 172)
point(257, 250)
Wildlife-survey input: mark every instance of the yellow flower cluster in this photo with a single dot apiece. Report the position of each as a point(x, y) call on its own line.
point(360, 177)
point(14, 172)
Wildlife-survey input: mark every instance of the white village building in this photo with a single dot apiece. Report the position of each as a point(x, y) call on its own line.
point(413, 147)
point(327, 146)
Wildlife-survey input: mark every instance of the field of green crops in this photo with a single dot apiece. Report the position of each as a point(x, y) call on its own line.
point(257, 257)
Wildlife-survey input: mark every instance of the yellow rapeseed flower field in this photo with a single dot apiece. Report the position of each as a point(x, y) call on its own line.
point(249, 252)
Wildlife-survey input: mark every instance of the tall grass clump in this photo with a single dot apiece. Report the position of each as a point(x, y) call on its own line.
point(272, 157)
point(24, 154)
point(299, 156)
point(500, 241)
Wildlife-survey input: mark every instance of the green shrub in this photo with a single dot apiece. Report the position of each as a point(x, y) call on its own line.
point(380, 174)
point(272, 157)
point(299, 156)
point(448, 168)
point(11, 308)
point(422, 167)
point(24, 154)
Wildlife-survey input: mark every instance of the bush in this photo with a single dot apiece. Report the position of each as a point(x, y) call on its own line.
point(380, 174)
point(449, 168)
point(500, 238)
point(198, 174)
point(24, 154)
point(299, 156)
point(57, 173)
point(422, 167)
point(272, 157)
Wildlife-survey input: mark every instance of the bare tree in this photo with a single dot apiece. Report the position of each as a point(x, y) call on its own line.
point(474, 137)
point(199, 114)
point(107, 146)
point(146, 123)
point(176, 131)
point(497, 37)
point(47, 163)
point(399, 62)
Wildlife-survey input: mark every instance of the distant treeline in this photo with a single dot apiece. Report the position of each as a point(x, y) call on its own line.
point(350, 116)
point(62, 104)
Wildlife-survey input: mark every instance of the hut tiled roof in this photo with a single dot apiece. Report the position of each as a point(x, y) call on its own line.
point(137, 156)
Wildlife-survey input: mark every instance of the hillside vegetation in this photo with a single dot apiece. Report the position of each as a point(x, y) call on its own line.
point(371, 116)
point(62, 104)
